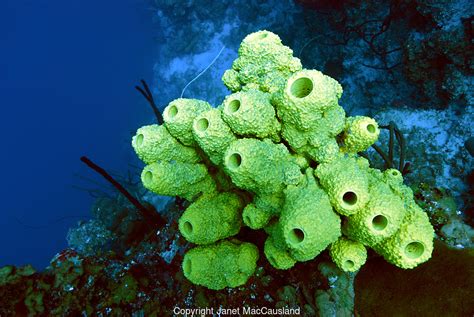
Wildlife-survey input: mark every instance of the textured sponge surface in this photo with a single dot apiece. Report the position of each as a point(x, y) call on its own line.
point(278, 155)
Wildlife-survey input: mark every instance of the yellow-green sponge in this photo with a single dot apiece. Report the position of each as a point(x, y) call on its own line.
point(308, 221)
point(270, 202)
point(360, 133)
point(261, 42)
point(322, 148)
point(154, 143)
point(254, 217)
point(316, 145)
point(251, 114)
point(348, 255)
point(274, 230)
point(261, 167)
point(412, 244)
point(380, 218)
point(231, 80)
point(179, 116)
point(279, 258)
point(306, 95)
point(212, 134)
point(225, 264)
point(332, 121)
point(257, 214)
point(264, 63)
point(212, 218)
point(393, 176)
point(177, 179)
point(394, 179)
point(346, 184)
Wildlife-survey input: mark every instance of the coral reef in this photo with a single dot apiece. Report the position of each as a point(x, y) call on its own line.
point(253, 161)
point(90, 237)
point(434, 145)
point(338, 300)
point(450, 223)
point(79, 285)
point(415, 52)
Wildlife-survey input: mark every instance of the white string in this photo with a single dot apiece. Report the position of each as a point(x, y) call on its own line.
point(307, 43)
point(203, 71)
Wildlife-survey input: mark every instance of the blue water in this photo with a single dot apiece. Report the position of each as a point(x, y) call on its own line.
point(67, 71)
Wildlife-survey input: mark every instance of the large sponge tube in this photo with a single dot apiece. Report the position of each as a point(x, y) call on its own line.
point(225, 264)
point(251, 114)
point(212, 134)
point(179, 116)
point(379, 219)
point(307, 92)
point(178, 179)
point(308, 221)
point(212, 218)
point(279, 258)
point(360, 133)
point(412, 244)
point(346, 183)
point(348, 255)
point(260, 166)
point(154, 143)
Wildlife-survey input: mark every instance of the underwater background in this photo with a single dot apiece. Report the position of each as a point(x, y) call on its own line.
point(68, 73)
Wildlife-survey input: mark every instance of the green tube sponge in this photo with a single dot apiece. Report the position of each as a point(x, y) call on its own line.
point(298, 140)
point(322, 149)
point(178, 179)
point(360, 133)
point(319, 142)
point(362, 162)
point(270, 202)
point(263, 63)
point(274, 229)
point(212, 218)
point(308, 221)
point(346, 183)
point(257, 214)
point(318, 146)
point(305, 97)
point(412, 244)
point(179, 116)
point(260, 42)
point(264, 48)
point(332, 121)
point(279, 258)
point(249, 75)
point(348, 255)
point(154, 143)
point(251, 114)
point(225, 264)
point(301, 160)
point(274, 80)
point(212, 134)
point(380, 218)
point(231, 80)
point(254, 217)
point(261, 167)
point(394, 179)
point(393, 176)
